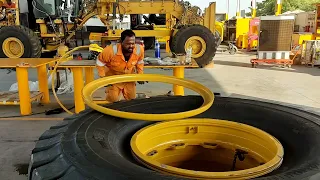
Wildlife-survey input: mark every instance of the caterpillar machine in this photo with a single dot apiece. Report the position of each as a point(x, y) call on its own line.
point(52, 25)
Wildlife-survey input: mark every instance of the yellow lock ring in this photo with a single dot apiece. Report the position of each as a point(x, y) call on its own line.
point(206, 94)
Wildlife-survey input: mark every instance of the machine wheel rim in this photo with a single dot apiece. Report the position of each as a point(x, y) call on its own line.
point(198, 45)
point(154, 146)
point(89, 89)
point(13, 47)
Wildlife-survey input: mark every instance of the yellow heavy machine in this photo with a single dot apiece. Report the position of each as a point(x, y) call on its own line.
point(54, 23)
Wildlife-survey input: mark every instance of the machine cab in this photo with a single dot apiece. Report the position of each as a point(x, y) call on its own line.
point(56, 8)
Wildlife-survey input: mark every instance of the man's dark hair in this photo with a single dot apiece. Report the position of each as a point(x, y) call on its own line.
point(127, 33)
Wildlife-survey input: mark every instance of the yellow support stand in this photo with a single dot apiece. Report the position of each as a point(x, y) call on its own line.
point(179, 73)
point(43, 83)
point(24, 92)
point(78, 86)
point(89, 75)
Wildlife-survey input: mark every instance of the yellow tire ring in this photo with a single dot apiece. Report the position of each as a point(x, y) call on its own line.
point(199, 46)
point(165, 146)
point(13, 47)
point(90, 88)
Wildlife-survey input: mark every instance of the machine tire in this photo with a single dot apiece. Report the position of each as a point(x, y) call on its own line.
point(30, 40)
point(148, 42)
point(91, 145)
point(188, 31)
point(218, 38)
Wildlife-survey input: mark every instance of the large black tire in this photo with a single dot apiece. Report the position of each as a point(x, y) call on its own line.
point(30, 40)
point(96, 146)
point(188, 31)
point(148, 42)
point(218, 38)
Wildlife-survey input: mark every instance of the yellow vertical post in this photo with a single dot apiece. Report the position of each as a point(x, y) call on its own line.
point(210, 17)
point(168, 44)
point(23, 90)
point(78, 86)
point(238, 8)
point(89, 74)
point(228, 8)
point(168, 26)
point(43, 83)
point(17, 13)
point(254, 9)
point(212, 25)
point(179, 73)
point(278, 7)
point(43, 26)
point(206, 17)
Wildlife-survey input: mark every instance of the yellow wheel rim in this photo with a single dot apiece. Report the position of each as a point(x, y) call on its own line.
point(206, 149)
point(90, 88)
point(13, 47)
point(198, 45)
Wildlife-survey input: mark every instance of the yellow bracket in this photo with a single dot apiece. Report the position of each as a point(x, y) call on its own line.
point(90, 88)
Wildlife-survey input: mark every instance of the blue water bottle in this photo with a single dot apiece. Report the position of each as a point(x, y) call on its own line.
point(157, 50)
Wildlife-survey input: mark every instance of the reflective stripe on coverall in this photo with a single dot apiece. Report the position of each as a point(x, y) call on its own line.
point(112, 62)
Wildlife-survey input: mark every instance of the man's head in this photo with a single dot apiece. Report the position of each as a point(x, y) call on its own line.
point(128, 41)
point(9, 2)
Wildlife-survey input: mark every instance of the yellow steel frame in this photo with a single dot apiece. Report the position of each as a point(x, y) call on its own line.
point(141, 7)
point(172, 9)
point(22, 65)
point(139, 33)
point(210, 17)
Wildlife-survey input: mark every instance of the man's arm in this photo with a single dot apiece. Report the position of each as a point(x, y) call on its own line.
point(140, 63)
point(102, 60)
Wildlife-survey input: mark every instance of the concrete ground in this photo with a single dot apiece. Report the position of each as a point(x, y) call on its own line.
point(232, 75)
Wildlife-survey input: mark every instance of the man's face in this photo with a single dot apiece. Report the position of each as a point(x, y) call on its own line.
point(128, 44)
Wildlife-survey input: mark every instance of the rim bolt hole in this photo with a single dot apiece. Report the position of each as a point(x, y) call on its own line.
point(152, 153)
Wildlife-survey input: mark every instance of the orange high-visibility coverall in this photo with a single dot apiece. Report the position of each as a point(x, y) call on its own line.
point(111, 61)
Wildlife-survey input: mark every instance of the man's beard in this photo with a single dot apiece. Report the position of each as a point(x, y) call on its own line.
point(127, 50)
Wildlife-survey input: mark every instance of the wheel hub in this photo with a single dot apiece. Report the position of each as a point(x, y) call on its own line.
point(198, 46)
point(207, 149)
point(13, 47)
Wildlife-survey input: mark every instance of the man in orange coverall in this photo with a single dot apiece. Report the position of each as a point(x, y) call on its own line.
point(122, 58)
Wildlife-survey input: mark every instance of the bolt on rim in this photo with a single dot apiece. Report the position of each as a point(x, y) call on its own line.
point(207, 149)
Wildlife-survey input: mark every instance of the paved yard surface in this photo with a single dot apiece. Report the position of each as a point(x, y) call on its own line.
point(231, 76)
